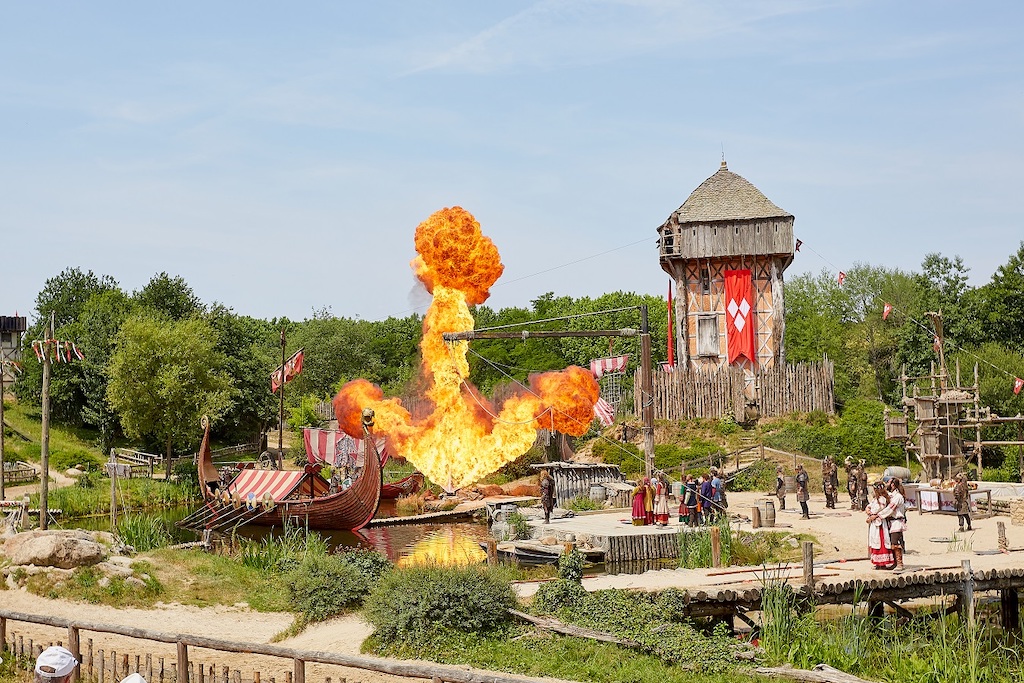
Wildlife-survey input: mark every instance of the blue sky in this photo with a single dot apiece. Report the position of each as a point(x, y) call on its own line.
point(279, 156)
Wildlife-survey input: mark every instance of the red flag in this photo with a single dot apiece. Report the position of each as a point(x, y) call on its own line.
point(798, 243)
point(937, 344)
point(292, 367)
point(739, 315)
point(604, 412)
point(1018, 384)
point(671, 329)
point(842, 278)
point(886, 310)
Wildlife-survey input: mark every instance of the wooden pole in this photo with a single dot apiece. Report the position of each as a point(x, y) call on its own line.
point(299, 667)
point(968, 591)
point(647, 400)
point(716, 547)
point(113, 490)
point(808, 548)
point(182, 662)
point(492, 552)
point(280, 415)
point(44, 441)
point(3, 370)
point(75, 647)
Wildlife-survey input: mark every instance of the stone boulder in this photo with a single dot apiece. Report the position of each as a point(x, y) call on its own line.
point(65, 549)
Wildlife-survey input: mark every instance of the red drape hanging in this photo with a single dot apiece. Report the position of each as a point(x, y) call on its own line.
point(739, 315)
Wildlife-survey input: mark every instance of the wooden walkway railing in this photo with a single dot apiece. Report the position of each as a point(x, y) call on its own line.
point(184, 673)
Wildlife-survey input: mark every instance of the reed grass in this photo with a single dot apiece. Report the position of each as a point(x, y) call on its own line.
point(695, 546)
point(935, 648)
point(133, 494)
point(281, 552)
point(142, 532)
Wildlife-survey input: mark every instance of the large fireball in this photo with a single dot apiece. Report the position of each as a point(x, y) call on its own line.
point(464, 439)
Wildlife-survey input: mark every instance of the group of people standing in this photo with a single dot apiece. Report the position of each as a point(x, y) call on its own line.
point(700, 501)
point(650, 501)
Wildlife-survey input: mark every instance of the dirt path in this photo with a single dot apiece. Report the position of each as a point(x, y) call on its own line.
point(57, 480)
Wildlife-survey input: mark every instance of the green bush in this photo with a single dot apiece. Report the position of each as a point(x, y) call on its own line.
point(570, 566)
point(187, 475)
point(414, 603)
point(557, 596)
point(857, 432)
point(64, 460)
point(368, 562)
point(582, 504)
point(519, 526)
point(323, 586)
point(759, 476)
point(627, 456)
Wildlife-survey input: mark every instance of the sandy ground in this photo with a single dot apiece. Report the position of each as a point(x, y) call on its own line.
point(932, 540)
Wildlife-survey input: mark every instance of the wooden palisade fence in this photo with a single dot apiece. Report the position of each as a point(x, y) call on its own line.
point(687, 393)
point(104, 667)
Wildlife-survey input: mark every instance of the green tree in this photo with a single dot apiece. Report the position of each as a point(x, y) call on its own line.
point(1002, 303)
point(164, 377)
point(251, 352)
point(169, 296)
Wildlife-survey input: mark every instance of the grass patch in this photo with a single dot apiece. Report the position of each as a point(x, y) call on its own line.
point(88, 584)
point(143, 532)
point(695, 545)
point(77, 441)
point(193, 577)
point(135, 494)
point(522, 650)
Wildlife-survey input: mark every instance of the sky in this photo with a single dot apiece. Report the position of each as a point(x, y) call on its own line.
point(278, 156)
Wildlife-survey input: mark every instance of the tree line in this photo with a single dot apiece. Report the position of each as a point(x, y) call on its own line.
point(158, 358)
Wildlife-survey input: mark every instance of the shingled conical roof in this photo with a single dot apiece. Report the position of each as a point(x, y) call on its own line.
point(726, 196)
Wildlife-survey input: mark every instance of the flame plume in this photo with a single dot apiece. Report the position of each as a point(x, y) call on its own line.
point(463, 439)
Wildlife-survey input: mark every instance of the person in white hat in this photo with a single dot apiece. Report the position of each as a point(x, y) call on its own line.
point(55, 665)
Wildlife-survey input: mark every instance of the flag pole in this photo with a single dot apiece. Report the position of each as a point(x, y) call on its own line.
point(280, 416)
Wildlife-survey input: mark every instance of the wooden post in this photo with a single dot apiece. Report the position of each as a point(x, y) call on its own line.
point(647, 398)
point(808, 548)
point(91, 665)
point(716, 547)
point(113, 490)
point(182, 662)
point(3, 627)
point(492, 552)
point(44, 441)
point(299, 667)
point(755, 517)
point(75, 647)
point(968, 591)
point(1009, 609)
point(103, 665)
point(280, 416)
point(3, 369)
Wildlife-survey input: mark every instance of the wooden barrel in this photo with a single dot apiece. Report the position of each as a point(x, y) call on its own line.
point(790, 484)
point(598, 493)
point(768, 513)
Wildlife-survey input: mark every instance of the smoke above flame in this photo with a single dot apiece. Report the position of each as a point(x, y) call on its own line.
point(464, 438)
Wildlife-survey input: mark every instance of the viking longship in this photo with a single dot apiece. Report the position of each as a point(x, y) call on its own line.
point(276, 497)
point(403, 487)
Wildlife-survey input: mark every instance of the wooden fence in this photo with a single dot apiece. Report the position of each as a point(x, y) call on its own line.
point(687, 393)
point(97, 665)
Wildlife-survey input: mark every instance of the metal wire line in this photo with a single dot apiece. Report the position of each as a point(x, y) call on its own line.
point(551, 320)
point(570, 417)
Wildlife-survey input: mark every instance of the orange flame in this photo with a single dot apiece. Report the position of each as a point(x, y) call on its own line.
point(463, 439)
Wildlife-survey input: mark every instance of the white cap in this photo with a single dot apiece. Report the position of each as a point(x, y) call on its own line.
point(55, 662)
point(133, 678)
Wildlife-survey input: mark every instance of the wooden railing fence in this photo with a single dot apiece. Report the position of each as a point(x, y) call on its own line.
point(687, 393)
point(182, 670)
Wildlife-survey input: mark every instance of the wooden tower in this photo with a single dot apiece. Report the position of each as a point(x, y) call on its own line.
point(727, 224)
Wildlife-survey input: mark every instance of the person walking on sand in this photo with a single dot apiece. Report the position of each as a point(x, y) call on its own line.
point(660, 499)
point(896, 515)
point(879, 543)
point(690, 500)
point(962, 500)
point(851, 480)
point(780, 487)
point(707, 511)
point(639, 493)
point(829, 481)
point(547, 494)
point(802, 493)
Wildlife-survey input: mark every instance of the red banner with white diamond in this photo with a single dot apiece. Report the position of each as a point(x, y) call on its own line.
point(739, 315)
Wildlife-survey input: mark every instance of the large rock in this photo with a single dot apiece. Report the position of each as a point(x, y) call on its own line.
point(65, 549)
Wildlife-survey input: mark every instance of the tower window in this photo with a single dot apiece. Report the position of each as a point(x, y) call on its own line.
point(707, 336)
point(705, 280)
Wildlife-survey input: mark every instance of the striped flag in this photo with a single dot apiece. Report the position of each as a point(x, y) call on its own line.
point(604, 412)
point(886, 310)
point(1018, 384)
point(292, 367)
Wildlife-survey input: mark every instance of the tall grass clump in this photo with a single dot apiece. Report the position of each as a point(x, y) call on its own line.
point(281, 552)
point(142, 532)
point(695, 545)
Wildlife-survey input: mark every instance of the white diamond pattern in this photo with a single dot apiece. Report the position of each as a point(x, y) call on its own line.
point(739, 312)
point(732, 307)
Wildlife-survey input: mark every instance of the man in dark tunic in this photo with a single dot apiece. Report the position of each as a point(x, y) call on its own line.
point(547, 494)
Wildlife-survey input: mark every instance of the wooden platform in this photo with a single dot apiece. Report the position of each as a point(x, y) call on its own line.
point(612, 532)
